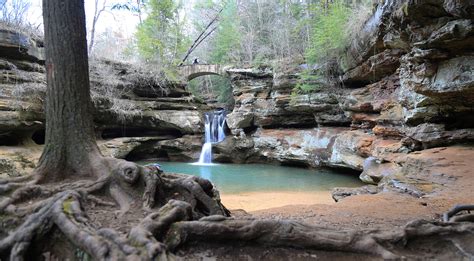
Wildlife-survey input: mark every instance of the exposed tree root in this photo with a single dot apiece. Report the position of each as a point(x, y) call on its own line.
point(127, 184)
point(450, 215)
point(131, 187)
point(278, 233)
point(183, 210)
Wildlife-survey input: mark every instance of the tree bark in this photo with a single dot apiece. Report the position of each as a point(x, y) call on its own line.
point(70, 143)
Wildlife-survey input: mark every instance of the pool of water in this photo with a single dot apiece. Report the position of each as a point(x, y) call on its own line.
point(238, 178)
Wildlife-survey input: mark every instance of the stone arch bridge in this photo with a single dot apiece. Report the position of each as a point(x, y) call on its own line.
point(189, 72)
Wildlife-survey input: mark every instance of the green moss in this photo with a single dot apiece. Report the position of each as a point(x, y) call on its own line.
point(308, 83)
point(173, 237)
point(67, 206)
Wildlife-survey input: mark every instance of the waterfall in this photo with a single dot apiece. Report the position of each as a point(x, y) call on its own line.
point(213, 133)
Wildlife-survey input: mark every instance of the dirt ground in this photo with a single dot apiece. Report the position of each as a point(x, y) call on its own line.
point(451, 169)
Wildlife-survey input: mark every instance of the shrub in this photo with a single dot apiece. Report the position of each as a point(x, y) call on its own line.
point(333, 27)
point(328, 36)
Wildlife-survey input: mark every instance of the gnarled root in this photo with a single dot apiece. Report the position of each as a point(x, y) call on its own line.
point(172, 226)
point(132, 187)
point(65, 212)
point(154, 226)
point(280, 233)
point(451, 214)
point(128, 184)
point(198, 192)
point(277, 233)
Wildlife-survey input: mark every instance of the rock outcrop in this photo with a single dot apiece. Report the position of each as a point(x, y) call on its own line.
point(135, 111)
point(408, 86)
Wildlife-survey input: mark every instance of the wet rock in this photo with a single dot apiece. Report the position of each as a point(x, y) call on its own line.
point(236, 149)
point(370, 40)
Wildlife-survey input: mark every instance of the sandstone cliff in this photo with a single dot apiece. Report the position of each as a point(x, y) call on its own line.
point(136, 112)
point(408, 85)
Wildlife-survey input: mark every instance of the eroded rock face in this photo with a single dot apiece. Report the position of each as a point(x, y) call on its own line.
point(135, 110)
point(300, 147)
point(268, 101)
point(409, 87)
point(19, 46)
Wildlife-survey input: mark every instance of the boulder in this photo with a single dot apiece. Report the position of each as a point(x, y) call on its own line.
point(350, 150)
point(374, 170)
point(240, 120)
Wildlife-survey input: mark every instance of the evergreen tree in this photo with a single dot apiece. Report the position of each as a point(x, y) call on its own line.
point(161, 37)
point(226, 41)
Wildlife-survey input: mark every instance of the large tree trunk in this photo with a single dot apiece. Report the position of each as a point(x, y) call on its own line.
point(70, 142)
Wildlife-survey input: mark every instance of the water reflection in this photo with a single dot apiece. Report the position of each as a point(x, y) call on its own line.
point(205, 172)
point(238, 178)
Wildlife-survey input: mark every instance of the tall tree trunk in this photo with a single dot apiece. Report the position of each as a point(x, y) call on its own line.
point(70, 144)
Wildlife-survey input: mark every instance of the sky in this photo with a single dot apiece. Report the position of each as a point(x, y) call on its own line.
point(119, 21)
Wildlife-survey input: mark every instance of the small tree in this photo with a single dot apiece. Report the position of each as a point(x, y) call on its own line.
point(160, 37)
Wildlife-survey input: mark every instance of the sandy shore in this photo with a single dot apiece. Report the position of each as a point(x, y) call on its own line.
point(449, 169)
point(253, 201)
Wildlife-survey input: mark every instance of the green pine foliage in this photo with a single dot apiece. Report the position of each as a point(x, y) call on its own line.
point(227, 37)
point(328, 41)
point(328, 36)
point(161, 38)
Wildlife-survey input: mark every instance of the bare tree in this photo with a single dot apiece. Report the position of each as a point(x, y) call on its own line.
point(14, 12)
point(208, 30)
point(97, 12)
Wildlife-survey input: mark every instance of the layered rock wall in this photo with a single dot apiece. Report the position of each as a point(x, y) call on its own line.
point(135, 111)
point(408, 85)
